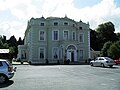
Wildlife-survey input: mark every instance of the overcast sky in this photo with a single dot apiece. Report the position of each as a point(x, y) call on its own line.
point(14, 14)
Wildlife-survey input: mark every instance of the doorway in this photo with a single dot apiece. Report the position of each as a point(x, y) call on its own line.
point(72, 56)
point(71, 53)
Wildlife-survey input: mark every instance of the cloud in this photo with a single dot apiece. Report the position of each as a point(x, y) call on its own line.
point(22, 10)
point(10, 28)
point(106, 10)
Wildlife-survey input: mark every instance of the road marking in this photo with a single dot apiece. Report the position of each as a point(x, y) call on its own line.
point(59, 67)
point(104, 84)
point(112, 79)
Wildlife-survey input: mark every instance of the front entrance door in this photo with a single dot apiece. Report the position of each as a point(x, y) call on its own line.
point(72, 56)
point(71, 53)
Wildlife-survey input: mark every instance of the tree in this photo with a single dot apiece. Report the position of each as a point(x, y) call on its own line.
point(11, 44)
point(20, 41)
point(1, 43)
point(104, 51)
point(114, 50)
point(4, 39)
point(11, 53)
point(93, 40)
point(5, 46)
point(118, 36)
point(106, 33)
point(12, 41)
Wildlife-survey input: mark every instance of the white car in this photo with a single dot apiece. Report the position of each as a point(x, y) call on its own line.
point(102, 61)
point(6, 71)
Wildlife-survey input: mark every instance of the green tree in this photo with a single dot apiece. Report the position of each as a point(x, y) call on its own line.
point(4, 39)
point(106, 33)
point(93, 40)
point(114, 50)
point(12, 52)
point(20, 41)
point(12, 41)
point(13, 46)
point(5, 46)
point(1, 43)
point(118, 36)
point(104, 51)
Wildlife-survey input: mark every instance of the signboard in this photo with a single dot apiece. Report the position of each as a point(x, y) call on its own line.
point(4, 50)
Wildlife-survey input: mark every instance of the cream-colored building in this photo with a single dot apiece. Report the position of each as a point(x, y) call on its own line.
point(55, 39)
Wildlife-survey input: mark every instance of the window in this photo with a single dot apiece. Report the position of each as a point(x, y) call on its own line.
point(73, 36)
point(55, 23)
point(65, 35)
point(66, 23)
point(80, 28)
point(55, 35)
point(81, 54)
point(42, 35)
point(73, 25)
point(42, 54)
point(55, 53)
point(101, 59)
point(23, 54)
point(42, 24)
point(81, 38)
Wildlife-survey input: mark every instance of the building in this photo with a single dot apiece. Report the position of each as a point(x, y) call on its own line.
point(55, 39)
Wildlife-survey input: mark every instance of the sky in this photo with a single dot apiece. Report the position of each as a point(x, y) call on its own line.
point(14, 14)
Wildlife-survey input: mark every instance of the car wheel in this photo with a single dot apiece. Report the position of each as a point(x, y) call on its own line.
point(111, 66)
point(3, 79)
point(102, 65)
point(91, 64)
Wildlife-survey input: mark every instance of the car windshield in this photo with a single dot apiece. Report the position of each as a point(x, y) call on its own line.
point(8, 63)
point(107, 58)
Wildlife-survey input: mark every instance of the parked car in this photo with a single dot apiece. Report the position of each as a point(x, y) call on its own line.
point(6, 71)
point(117, 61)
point(102, 61)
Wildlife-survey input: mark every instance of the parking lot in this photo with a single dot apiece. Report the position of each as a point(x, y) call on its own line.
point(64, 77)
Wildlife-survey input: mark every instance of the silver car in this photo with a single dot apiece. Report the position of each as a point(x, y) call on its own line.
point(6, 71)
point(102, 61)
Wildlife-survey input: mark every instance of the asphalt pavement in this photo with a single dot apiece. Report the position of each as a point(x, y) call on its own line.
point(64, 77)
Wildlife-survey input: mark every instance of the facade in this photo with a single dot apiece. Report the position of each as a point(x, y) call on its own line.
point(55, 39)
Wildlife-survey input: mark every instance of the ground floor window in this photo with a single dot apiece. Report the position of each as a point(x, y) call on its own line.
point(42, 53)
point(81, 53)
point(23, 54)
point(55, 53)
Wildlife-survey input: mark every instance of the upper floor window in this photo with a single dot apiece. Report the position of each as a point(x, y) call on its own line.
point(73, 36)
point(81, 37)
point(55, 23)
point(42, 35)
point(73, 25)
point(80, 28)
point(42, 24)
point(65, 35)
point(55, 35)
point(66, 23)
